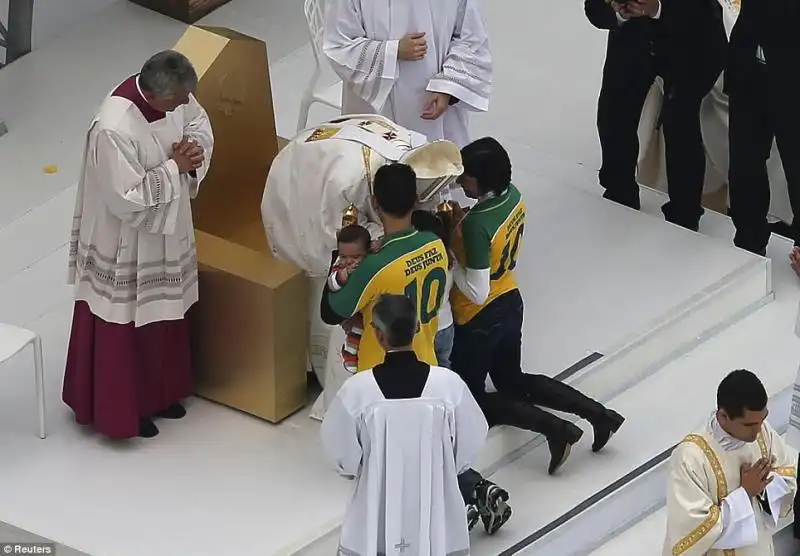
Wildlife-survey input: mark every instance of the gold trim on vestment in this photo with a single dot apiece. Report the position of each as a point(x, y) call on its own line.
point(322, 133)
point(701, 531)
point(786, 471)
point(762, 444)
point(714, 512)
point(366, 154)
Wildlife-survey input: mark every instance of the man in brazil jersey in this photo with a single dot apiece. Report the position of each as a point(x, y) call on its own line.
point(411, 263)
point(488, 309)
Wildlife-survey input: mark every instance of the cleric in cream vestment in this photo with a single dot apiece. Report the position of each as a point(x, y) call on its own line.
point(132, 254)
point(709, 511)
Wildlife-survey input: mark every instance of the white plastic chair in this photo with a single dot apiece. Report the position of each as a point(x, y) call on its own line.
point(330, 96)
point(12, 341)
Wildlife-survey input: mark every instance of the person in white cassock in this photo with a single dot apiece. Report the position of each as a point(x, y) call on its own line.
point(404, 431)
point(313, 180)
point(421, 63)
point(132, 253)
point(732, 481)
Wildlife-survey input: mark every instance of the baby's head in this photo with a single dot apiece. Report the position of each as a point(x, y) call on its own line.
point(353, 244)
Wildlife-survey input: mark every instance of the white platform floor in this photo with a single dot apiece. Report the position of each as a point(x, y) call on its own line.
point(219, 482)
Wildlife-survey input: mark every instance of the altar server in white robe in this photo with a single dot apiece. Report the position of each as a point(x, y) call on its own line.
point(404, 431)
point(423, 64)
point(730, 482)
point(132, 253)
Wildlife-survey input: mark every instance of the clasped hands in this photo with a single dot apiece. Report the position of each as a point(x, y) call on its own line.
point(755, 477)
point(189, 155)
point(635, 8)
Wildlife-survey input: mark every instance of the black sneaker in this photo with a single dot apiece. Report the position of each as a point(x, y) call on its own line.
point(492, 502)
point(473, 516)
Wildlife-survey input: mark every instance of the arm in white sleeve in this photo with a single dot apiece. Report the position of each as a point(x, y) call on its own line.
point(739, 528)
point(472, 276)
point(145, 199)
point(466, 73)
point(375, 229)
point(776, 493)
point(197, 127)
point(340, 437)
point(473, 283)
point(780, 492)
point(367, 67)
point(333, 281)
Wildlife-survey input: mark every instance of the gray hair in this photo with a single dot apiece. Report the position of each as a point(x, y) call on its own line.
point(168, 74)
point(396, 317)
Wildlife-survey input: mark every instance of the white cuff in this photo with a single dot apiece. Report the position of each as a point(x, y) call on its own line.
point(776, 491)
point(621, 20)
point(333, 282)
point(658, 13)
point(473, 283)
point(739, 527)
point(172, 168)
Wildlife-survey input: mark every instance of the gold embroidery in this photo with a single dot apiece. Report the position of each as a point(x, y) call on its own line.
point(366, 154)
point(714, 512)
point(737, 5)
point(713, 461)
point(762, 444)
point(787, 471)
point(692, 538)
point(322, 133)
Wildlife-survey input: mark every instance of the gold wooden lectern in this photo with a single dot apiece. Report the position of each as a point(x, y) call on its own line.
point(250, 328)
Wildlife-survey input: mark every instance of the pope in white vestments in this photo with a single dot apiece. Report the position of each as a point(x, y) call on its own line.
point(132, 252)
point(404, 431)
point(423, 64)
point(311, 183)
point(732, 481)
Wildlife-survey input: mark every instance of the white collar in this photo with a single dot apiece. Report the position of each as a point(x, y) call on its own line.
point(139, 88)
point(728, 442)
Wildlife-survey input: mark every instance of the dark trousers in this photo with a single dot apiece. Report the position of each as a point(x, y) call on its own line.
point(467, 483)
point(619, 109)
point(492, 343)
point(761, 111)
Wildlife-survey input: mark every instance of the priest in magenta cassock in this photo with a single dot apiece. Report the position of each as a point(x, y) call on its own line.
point(132, 253)
point(730, 482)
point(423, 64)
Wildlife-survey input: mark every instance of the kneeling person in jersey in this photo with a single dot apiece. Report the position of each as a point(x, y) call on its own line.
point(403, 430)
point(487, 307)
point(412, 263)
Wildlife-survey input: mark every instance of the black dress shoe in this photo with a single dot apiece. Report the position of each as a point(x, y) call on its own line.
point(175, 411)
point(147, 429)
point(561, 446)
point(605, 427)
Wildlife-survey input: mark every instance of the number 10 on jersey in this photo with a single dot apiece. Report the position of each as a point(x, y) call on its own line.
point(428, 304)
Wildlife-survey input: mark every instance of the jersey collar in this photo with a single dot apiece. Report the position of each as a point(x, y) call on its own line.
point(402, 234)
point(490, 201)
